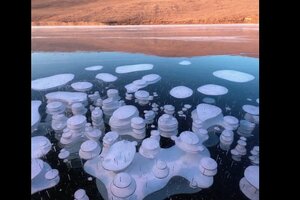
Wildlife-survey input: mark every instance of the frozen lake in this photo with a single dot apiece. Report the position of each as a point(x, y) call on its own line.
point(182, 55)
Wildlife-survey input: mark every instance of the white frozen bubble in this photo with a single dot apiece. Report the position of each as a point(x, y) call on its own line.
point(185, 62)
point(151, 78)
point(252, 175)
point(94, 68)
point(253, 110)
point(187, 106)
point(207, 111)
point(209, 100)
point(82, 86)
point(51, 82)
point(67, 97)
point(212, 89)
point(40, 146)
point(181, 92)
point(35, 115)
point(123, 186)
point(119, 156)
point(133, 68)
point(234, 76)
point(36, 167)
point(106, 77)
point(257, 100)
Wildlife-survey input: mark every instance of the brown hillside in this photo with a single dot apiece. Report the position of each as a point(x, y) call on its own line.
point(109, 12)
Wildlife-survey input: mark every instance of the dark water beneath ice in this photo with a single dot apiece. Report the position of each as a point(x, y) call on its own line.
point(226, 182)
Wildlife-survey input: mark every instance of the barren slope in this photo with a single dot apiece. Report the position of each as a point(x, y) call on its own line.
point(88, 12)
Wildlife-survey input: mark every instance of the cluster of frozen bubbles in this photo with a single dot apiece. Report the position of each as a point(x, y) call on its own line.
point(128, 161)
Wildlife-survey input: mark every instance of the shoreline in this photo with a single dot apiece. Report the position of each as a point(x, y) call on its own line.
point(143, 25)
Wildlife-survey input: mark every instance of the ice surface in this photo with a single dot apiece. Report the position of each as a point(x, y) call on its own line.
point(94, 68)
point(51, 82)
point(234, 76)
point(133, 68)
point(106, 77)
point(212, 89)
point(67, 97)
point(253, 110)
point(185, 62)
point(181, 92)
point(82, 86)
point(35, 115)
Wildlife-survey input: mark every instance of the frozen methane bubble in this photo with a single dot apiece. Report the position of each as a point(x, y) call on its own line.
point(67, 97)
point(133, 68)
point(63, 154)
point(138, 127)
point(234, 76)
point(212, 89)
point(94, 68)
point(245, 129)
point(119, 156)
point(230, 122)
point(142, 97)
point(188, 142)
point(226, 139)
point(160, 169)
point(51, 82)
point(123, 186)
point(78, 109)
point(181, 92)
point(149, 117)
point(249, 184)
point(141, 83)
point(114, 94)
point(106, 77)
point(42, 176)
point(82, 86)
point(208, 166)
point(151, 78)
point(97, 119)
point(254, 158)
point(253, 110)
point(59, 122)
point(36, 167)
point(187, 106)
point(40, 146)
point(55, 108)
point(120, 120)
point(35, 115)
point(80, 194)
point(149, 148)
point(209, 100)
point(185, 62)
point(239, 151)
point(167, 125)
point(169, 109)
point(51, 174)
point(89, 149)
point(257, 100)
point(109, 105)
point(205, 116)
